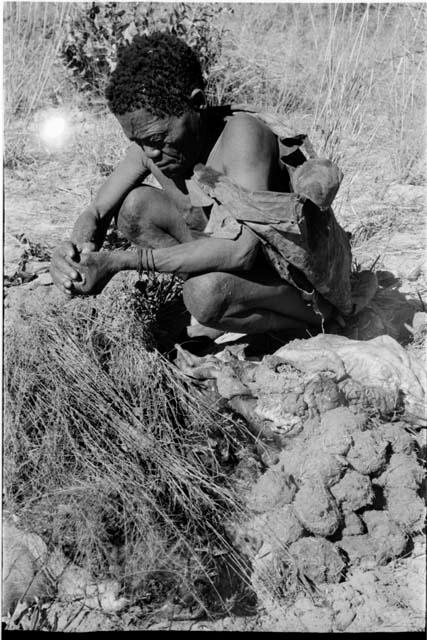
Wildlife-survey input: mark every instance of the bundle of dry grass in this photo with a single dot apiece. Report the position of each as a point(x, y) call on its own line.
point(110, 455)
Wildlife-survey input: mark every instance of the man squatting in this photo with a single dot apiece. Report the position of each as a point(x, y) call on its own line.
point(156, 94)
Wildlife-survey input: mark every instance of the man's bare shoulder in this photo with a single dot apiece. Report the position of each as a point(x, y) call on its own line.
point(247, 151)
point(248, 129)
point(246, 139)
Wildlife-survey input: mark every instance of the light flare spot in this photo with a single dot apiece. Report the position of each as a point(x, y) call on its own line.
point(54, 130)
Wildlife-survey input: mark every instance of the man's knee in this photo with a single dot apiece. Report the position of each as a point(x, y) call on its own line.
point(207, 297)
point(136, 213)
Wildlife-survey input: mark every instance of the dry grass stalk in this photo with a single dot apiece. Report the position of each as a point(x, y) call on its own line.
point(33, 33)
point(112, 456)
point(332, 69)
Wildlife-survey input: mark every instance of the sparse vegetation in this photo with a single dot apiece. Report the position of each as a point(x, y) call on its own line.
point(111, 456)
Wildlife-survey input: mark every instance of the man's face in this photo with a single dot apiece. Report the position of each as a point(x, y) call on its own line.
point(171, 142)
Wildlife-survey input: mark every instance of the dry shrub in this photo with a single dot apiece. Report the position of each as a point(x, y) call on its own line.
point(110, 454)
point(95, 32)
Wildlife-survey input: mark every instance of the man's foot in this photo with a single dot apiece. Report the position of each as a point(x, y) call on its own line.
point(197, 330)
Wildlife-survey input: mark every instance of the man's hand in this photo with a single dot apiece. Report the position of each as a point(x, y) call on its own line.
point(64, 267)
point(96, 270)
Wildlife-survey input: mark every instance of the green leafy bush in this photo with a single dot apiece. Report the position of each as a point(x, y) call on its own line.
point(95, 32)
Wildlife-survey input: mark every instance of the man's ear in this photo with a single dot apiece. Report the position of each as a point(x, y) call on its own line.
point(198, 99)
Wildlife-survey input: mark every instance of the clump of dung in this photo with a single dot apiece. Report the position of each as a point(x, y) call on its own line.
point(342, 485)
point(368, 452)
point(317, 559)
point(316, 509)
point(389, 537)
point(353, 492)
point(274, 488)
point(343, 493)
point(276, 529)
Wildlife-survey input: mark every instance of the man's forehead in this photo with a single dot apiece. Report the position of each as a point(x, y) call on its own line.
point(141, 123)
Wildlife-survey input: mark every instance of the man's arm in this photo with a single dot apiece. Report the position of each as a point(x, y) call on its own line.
point(193, 258)
point(247, 155)
point(91, 226)
point(93, 223)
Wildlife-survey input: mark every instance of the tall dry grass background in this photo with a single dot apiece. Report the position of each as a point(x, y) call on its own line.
point(352, 75)
point(86, 407)
point(33, 38)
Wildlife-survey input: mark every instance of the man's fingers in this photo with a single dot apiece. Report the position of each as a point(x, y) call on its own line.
point(87, 247)
point(60, 279)
point(68, 250)
point(65, 266)
point(68, 292)
point(65, 286)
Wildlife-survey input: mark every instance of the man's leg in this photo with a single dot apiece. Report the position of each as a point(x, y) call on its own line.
point(149, 218)
point(248, 303)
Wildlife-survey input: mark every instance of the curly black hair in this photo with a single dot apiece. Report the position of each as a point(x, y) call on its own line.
point(156, 72)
